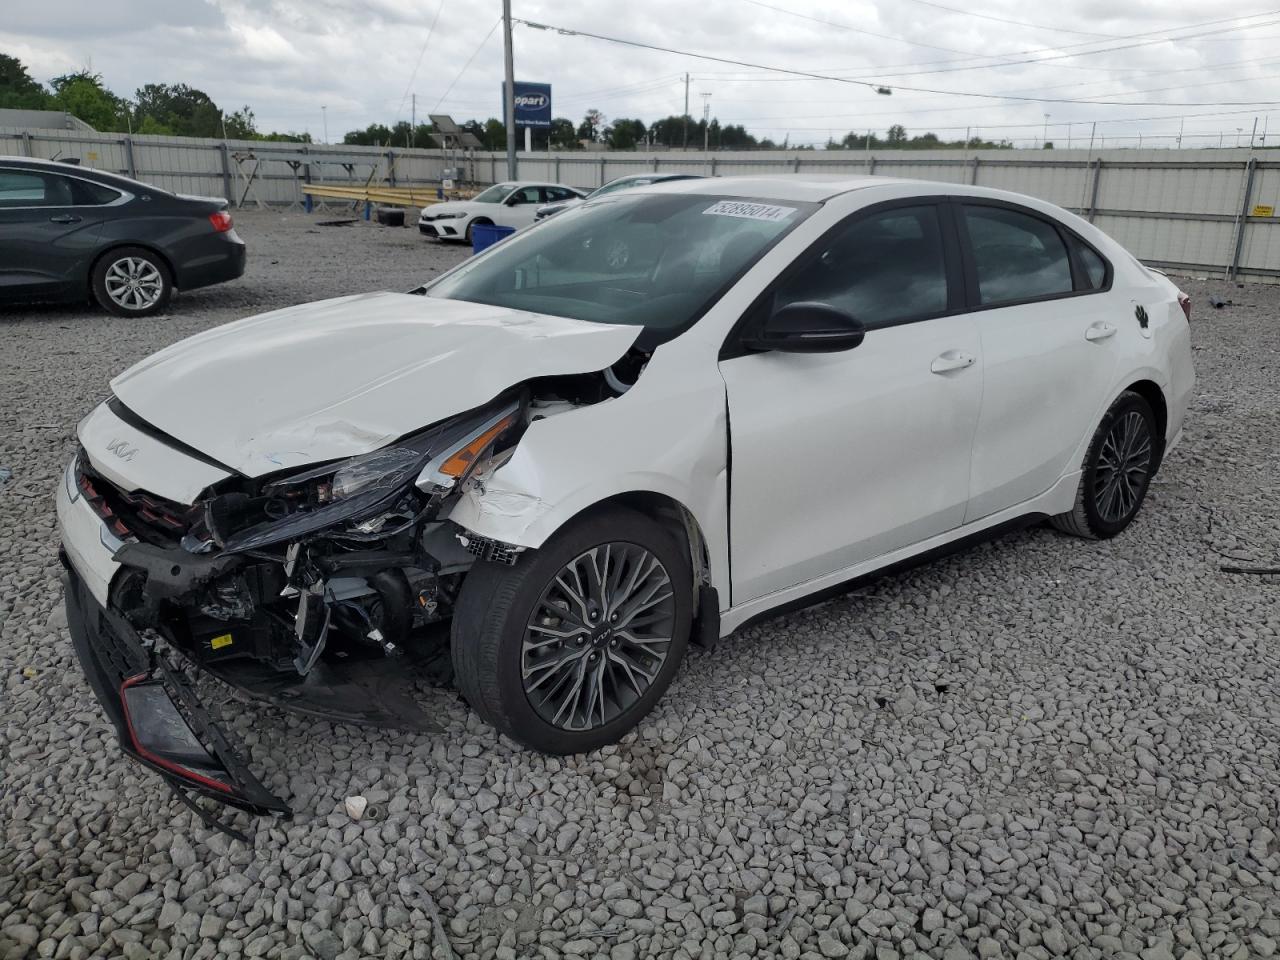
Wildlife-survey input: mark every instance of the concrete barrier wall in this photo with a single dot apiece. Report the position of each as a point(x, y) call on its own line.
point(1185, 210)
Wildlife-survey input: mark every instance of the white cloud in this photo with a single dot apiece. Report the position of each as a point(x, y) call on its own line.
point(287, 57)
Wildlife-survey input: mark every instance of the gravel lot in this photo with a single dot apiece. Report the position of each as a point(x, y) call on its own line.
point(1043, 747)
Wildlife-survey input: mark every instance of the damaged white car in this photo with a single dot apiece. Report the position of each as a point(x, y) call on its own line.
point(584, 461)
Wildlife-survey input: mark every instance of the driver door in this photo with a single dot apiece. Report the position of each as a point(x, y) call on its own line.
point(838, 458)
point(521, 207)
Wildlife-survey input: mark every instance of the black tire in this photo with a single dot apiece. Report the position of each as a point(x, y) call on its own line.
point(493, 614)
point(1101, 512)
point(155, 282)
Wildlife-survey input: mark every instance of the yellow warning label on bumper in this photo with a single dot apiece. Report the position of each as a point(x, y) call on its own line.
point(217, 643)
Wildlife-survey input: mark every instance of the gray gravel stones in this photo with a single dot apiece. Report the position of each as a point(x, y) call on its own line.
point(1039, 748)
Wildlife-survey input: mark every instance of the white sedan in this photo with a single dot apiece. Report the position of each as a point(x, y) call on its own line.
point(790, 384)
point(513, 204)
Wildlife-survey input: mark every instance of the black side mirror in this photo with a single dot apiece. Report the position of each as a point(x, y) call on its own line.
point(513, 200)
point(808, 327)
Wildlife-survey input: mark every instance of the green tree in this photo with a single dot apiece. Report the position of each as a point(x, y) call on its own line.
point(240, 125)
point(374, 135)
point(179, 110)
point(83, 95)
point(562, 134)
point(592, 125)
point(18, 90)
point(625, 134)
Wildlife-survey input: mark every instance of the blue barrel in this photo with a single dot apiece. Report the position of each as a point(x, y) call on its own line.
point(485, 235)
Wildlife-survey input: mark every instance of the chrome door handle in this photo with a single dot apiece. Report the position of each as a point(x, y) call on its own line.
point(64, 218)
point(1100, 331)
point(952, 360)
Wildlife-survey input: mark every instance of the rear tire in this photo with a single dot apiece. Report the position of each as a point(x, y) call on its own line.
point(1122, 458)
point(563, 664)
point(132, 282)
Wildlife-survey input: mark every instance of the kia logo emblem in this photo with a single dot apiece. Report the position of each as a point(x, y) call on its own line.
point(122, 449)
point(532, 101)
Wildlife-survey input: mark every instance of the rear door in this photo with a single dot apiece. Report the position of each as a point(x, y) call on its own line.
point(49, 228)
point(1051, 334)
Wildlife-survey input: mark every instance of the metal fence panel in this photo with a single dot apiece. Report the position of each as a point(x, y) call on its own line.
point(1180, 208)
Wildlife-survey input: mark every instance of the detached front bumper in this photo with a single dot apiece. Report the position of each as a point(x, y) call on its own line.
point(159, 719)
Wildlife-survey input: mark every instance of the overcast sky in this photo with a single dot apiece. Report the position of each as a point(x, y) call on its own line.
point(360, 59)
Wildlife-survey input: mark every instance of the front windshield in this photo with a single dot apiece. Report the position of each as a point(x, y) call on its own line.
point(653, 260)
point(495, 194)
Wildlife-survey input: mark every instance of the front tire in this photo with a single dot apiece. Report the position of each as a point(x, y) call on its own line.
point(570, 647)
point(1118, 467)
point(132, 282)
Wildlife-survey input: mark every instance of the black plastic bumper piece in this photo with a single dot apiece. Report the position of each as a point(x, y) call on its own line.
point(159, 719)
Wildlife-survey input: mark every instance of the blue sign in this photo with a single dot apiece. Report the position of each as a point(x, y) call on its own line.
point(533, 104)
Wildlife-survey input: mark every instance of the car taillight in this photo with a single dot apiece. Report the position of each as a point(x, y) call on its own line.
point(1185, 303)
point(221, 221)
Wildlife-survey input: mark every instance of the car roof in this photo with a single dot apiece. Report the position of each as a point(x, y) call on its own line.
point(74, 169)
point(782, 186)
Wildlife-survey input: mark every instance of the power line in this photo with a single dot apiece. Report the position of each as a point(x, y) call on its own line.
point(1022, 23)
point(566, 31)
point(1006, 57)
point(1017, 23)
point(413, 76)
point(474, 53)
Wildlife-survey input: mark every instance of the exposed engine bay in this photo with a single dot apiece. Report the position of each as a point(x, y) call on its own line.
point(352, 554)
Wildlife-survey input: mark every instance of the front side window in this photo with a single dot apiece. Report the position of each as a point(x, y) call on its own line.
point(559, 193)
point(1016, 256)
point(20, 188)
point(882, 269)
point(657, 261)
point(527, 195)
point(495, 194)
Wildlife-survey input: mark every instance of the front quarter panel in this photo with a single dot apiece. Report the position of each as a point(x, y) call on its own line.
point(667, 435)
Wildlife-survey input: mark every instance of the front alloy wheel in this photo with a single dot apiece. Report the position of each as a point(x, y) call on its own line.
point(598, 636)
point(567, 649)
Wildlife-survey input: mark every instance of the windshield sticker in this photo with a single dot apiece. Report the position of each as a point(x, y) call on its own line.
point(749, 211)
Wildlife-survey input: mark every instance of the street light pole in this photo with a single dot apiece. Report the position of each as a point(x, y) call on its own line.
point(706, 125)
point(509, 90)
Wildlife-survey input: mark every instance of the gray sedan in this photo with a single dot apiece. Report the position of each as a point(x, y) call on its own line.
point(71, 233)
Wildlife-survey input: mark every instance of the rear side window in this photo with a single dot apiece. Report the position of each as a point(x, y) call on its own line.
point(1016, 256)
point(86, 194)
point(1095, 268)
point(882, 269)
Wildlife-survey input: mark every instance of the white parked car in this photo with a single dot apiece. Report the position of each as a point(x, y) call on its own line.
point(790, 384)
point(504, 204)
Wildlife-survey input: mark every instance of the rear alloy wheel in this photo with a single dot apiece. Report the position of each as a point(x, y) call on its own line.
point(569, 648)
point(1118, 468)
point(132, 282)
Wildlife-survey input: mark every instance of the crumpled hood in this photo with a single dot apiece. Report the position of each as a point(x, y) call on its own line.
point(342, 377)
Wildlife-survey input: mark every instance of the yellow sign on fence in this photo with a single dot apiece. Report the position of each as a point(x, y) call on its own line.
point(1263, 210)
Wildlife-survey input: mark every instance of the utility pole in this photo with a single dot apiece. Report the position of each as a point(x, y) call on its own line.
point(706, 125)
point(324, 116)
point(1253, 133)
point(1045, 141)
point(509, 91)
point(413, 121)
point(1181, 121)
point(686, 112)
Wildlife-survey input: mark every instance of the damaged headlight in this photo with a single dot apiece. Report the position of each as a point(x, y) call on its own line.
point(358, 494)
point(392, 467)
